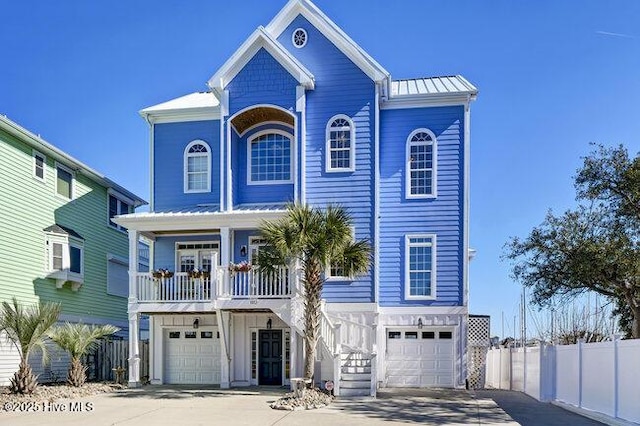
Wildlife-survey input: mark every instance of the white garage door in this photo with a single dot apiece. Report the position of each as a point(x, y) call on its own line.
point(423, 358)
point(192, 356)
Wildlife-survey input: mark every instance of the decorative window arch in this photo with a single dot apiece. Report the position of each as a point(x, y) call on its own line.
point(270, 158)
point(421, 170)
point(197, 167)
point(341, 144)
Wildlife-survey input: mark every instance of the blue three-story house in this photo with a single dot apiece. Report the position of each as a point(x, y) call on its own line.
point(300, 113)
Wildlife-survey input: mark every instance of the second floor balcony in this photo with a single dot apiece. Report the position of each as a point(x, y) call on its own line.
point(186, 287)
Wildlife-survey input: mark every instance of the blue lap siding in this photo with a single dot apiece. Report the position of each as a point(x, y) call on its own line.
point(442, 216)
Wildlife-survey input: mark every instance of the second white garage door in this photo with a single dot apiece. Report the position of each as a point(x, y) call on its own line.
point(192, 356)
point(423, 358)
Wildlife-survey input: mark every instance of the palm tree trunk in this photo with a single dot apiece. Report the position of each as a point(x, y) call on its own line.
point(313, 293)
point(77, 373)
point(23, 381)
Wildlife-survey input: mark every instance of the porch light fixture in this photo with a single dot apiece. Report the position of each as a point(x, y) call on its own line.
point(196, 323)
point(269, 324)
point(243, 251)
point(420, 323)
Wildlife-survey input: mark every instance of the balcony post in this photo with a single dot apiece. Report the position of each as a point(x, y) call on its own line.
point(225, 258)
point(134, 237)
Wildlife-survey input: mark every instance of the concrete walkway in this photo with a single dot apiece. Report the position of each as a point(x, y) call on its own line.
point(175, 405)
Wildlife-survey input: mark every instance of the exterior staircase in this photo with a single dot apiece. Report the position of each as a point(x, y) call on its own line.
point(356, 374)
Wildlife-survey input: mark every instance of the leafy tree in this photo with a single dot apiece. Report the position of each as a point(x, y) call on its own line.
point(316, 238)
point(78, 339)
point(594, 247)
point(26, 328)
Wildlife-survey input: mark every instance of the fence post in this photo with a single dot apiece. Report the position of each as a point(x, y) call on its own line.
point(580, 373)
point(616, 394)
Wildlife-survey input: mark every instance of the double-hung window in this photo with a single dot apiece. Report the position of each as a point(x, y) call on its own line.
point(117, 206)
point(336, 269)
point(64, 181)
point(421, 164)
point(39, 165)
point(269, 158)
point(341, 146)
point(197, 167)
point(420, 266)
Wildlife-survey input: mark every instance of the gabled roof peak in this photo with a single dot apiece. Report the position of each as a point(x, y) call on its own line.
point(260, 39)
point(330, 30)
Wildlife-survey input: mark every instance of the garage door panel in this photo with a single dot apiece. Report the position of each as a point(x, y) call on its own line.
point(195, 360)
point(421, 362)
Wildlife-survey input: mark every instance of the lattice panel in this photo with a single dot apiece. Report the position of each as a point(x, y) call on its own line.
point(477, 361)
point(479, 329)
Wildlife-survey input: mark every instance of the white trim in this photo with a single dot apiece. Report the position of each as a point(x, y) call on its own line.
point(263, 123)
point(152, 170)
point(72, 184)
point(215, 248)
point(441, 99)
point(223, 143)
point(186, 156)
point(177, 222)
point(352, 145)
point(293, 38)
point(182, 115)
point(407, 266)
point(331, 31)
point(64, 274)
point(465, 216)
point(376, 198)
point(434, 164)
point(34, 154)
point(259, 39)
point(292, 157)
point(422, 310)
point(301, 107)
point(351, 307)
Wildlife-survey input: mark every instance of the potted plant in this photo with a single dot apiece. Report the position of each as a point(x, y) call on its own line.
point(243, 266)
point(162, 273)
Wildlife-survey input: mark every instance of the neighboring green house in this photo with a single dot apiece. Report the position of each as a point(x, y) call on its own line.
point(57, 240)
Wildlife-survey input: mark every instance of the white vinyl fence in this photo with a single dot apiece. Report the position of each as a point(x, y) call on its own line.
point(601, 377)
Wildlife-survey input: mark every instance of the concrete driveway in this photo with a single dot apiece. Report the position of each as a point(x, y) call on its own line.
point(177, 405)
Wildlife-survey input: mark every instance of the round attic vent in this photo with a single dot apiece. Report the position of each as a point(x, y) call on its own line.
point(299, 38)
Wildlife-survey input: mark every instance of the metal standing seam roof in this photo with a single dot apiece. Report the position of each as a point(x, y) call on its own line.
point(210, 209)
point(455, 84)
point(192, 100)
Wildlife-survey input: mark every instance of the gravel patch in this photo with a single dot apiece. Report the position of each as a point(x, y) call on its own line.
point(311, 399)
point(54, 392)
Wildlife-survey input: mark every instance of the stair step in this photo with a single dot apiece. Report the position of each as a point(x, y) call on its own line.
point(356, 376)
point(355, 384)
point(354, 355)
point(354, 392)
point(354, 369)
point(356, 362)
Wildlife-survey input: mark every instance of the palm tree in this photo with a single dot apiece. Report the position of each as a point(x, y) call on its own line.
point(78, 339)
point(316, 238)
point(26, 328)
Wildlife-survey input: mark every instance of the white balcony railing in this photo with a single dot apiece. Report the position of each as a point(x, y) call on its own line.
point(223, 284)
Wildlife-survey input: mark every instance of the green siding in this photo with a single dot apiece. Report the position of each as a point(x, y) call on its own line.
point(28, 206)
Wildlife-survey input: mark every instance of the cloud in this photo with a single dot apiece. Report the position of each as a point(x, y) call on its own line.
point(610, 34)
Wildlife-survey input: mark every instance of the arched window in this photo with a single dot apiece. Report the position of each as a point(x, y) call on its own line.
point(197, 167)
point(341, 144)
point(269, 158)
point(421, 164)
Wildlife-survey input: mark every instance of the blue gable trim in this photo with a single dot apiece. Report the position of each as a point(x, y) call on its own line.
point(262, 81)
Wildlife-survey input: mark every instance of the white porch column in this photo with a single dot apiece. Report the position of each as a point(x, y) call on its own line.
point(224, 326)
point(225, 247)
point(134, 237)
point(293, 353)
point(134, 352)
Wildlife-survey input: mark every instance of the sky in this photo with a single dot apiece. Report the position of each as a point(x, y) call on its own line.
point(553, 76)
